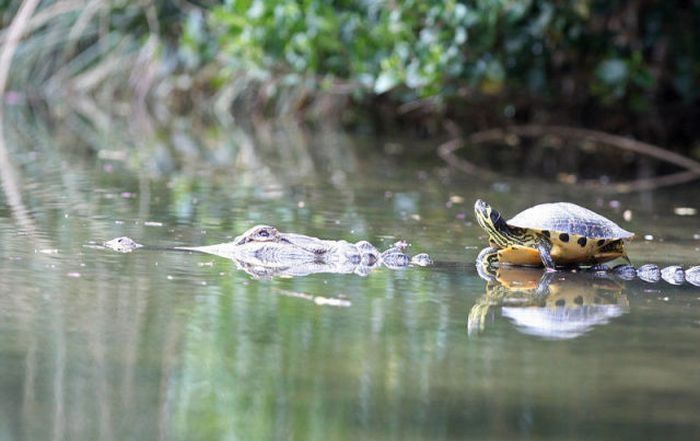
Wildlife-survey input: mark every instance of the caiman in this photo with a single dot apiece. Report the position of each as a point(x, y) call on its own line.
point(264, 252)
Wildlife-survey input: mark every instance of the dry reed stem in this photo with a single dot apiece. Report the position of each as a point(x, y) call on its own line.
point(12, 38)
point(8, 178)
point(47, 14)
point(86, 16)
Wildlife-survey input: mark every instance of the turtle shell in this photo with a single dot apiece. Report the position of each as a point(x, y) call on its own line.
point(565, 217)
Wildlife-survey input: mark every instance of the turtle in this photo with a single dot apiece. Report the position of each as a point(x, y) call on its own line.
point(550, 235)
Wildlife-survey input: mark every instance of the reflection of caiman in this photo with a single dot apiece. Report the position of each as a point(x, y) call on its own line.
point(263, 252)
point(551, 305)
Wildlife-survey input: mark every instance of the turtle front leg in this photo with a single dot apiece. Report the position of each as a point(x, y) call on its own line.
point(626, 258)
point(544, 247)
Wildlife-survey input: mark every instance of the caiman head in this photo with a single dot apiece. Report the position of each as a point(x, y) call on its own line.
point(259, 233)
point(267, 235)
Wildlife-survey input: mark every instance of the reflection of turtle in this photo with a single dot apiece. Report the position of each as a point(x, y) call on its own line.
point(551, 234)
point(551, 305)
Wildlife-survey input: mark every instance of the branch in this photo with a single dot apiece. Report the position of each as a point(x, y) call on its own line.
point(692, 168)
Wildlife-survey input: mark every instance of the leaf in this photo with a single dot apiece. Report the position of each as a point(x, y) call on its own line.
point(385, 82)
point(612, 71)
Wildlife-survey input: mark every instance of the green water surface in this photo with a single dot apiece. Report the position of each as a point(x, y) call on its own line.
point(96, 345)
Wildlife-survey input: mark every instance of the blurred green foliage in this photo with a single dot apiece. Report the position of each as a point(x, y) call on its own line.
point(613, 50)
point(596, 63)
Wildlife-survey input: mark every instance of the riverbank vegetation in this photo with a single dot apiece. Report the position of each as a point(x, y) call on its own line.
point(630, 68)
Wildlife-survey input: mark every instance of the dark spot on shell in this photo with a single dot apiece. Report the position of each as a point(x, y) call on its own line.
point(564, 237)
point(560, 302)
point(546, 233)
point(601, 242)
point(578, 300)
point(582, 241)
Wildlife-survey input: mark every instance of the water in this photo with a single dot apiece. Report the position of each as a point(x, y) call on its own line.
point(167, 345)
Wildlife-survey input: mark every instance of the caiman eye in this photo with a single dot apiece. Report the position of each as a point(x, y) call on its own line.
point(264, 233)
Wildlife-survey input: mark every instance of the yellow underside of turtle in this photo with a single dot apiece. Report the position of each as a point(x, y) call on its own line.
point(563, 254)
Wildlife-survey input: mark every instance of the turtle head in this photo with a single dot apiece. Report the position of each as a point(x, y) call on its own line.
point(493, 223)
